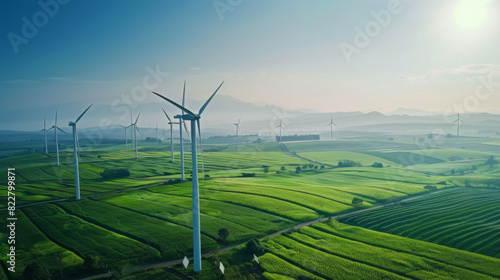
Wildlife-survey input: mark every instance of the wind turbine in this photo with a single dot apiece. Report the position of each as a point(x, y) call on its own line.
point(45, 136)
point(156, 135)
point(195, 120)
point(458, 121)
point(281, 127)
point(126, 143)
point(237, 125)
point(134, 130)
point(331, 124)
point(55, 127)
point(181, 122)
point(171, 134)
point(75, 139)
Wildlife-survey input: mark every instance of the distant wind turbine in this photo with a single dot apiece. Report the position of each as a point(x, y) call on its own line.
point(281, 127)
point(135, 130)
point(195, 120)
point(55, 127)
point(458, 121)
point(126, 143)
point(237, 130)
point(331, 124)
point(45, 136)
point(156, 135)
point(75, 137)
point(171, 134)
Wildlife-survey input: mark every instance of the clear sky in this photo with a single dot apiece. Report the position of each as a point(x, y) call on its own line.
point(428, 55)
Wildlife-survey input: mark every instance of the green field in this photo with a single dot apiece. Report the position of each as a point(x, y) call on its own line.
point(467, 219)
point(334, 250)
point(147, 218)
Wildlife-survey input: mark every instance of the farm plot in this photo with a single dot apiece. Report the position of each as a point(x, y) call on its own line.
point(467, 219)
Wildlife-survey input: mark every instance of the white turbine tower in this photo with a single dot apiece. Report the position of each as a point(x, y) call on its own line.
point(331, 124)
point(171, 134)
point(75, 139)
point(131, 132)
point(195, 120)
point(458, 121)
point(126, 144)
point(181, 123)
point(156, 135)
point(45, 136)
point(135, 130)
point(281, 127)
point(55, 127)
point(237, 125)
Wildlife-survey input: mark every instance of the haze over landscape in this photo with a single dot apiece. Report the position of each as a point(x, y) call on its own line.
point(309, 56)
point(250, 140)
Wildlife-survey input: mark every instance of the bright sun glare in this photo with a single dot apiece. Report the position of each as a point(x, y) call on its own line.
point(471, 14)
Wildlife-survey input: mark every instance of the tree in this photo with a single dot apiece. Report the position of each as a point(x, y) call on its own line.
point(453, 172)
point(266, 169)
point(491, 161)
point(377, 164)
point(254, 246)
point(357, 202)
point(223, 234)
point(298, 169)
point(283, 168)
point(348, 163)
point(430, 188)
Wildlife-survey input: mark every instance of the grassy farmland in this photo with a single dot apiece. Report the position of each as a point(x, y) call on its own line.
point(467, 219)
point(146, 217)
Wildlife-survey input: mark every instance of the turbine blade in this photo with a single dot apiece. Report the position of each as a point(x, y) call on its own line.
point(83, 113)
point(137, 119)
point(187, 132)
point(56, 119)
point(184, 93)
point(239, 121)
point(176, 105)
point(136, 128)
point(166, 115)
point(201, 150)
point(122, 126)
point(62, 130)
point(208, 101)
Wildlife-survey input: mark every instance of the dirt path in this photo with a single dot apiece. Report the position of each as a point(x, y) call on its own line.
point(285, 149)
point(174, 262)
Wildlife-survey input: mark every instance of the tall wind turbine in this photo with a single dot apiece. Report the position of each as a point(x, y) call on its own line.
point(237, 125)
point(195, 120)
point(458, 121)
point(75, 137)
point(135, 130)
point(55, 127)
point(281, 127)
point(126, 143)
point(181, 122)
point(331, 124)
point(132, 132)
point(45, 136)
point(171, 134)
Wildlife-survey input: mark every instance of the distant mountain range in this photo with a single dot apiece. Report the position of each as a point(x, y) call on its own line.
point(225, 110)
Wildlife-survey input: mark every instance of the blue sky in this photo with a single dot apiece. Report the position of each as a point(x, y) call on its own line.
point(430, 55)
